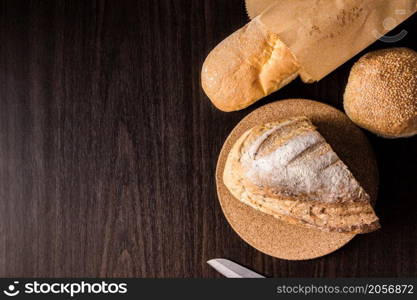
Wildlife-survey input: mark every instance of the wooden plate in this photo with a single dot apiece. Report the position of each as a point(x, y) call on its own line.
point(277, 238)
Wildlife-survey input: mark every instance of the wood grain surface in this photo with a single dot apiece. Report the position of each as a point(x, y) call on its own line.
point(108, 147)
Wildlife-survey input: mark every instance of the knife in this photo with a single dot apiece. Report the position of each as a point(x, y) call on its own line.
point(231, 269)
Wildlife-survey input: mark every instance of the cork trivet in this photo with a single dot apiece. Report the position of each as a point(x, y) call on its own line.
point(274, 237)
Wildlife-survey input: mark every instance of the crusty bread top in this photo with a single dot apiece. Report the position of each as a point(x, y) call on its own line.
point(245, 67)
point(287, 169)
point(381, 94)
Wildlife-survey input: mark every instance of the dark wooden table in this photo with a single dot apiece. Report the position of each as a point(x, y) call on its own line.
point(108, 147)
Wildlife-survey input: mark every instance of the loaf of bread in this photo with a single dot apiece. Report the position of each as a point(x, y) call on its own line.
point(288, 170)
point(381, 94)
point(247, 66)
point(286, 39)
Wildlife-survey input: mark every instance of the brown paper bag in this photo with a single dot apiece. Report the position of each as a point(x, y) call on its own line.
point(324, 34)
point(256, 7)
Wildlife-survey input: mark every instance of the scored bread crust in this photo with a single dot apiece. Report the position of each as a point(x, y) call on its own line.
point(274, 168)
point(248, 65)
point(381, 94)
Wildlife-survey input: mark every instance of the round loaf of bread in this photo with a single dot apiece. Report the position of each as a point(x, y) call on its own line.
point(381, 94)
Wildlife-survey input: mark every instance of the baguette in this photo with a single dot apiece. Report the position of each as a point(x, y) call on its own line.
point(248, 65)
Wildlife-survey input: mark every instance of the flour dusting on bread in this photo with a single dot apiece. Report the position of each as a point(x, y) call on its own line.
point(287, 169)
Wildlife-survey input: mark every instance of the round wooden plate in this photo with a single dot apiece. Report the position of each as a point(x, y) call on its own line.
point(266, 233)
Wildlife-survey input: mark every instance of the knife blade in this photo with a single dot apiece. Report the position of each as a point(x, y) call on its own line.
point(231, 269)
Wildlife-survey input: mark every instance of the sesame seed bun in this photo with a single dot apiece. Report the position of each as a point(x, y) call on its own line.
point(381, 94)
